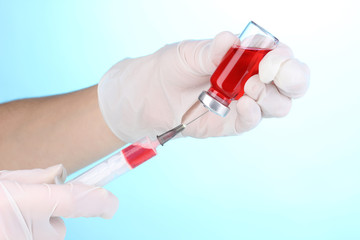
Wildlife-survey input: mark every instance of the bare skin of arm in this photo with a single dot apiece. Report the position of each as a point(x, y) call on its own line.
point(67, 129)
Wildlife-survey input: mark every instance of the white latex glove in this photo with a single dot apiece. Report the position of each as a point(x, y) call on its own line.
point(31, 203)
point(148, 95)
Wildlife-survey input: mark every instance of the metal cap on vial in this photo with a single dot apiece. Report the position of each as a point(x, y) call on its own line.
point(213, 105)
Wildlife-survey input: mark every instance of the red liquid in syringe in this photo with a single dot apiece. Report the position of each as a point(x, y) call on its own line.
point(137, 154)
point(236, 67)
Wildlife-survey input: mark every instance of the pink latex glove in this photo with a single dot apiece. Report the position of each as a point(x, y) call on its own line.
point(32, 204)
point(148, 95)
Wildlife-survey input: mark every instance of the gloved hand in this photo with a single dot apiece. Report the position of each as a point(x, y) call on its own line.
point(148, 95)
point(31, 203)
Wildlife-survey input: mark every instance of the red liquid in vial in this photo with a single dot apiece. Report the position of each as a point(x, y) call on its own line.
point(136, 154)
point(237, 66)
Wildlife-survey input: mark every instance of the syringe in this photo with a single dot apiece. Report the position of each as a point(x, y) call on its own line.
point(133, 155)
point(126, 159)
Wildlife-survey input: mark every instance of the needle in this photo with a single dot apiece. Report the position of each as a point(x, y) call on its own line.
point(206, 111)
point(166, 136)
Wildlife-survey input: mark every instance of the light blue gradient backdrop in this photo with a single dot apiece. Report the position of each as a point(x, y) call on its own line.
point(291, 178)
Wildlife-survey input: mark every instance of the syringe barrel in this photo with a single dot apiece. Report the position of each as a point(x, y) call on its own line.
point(104, 172)
point(120, 163)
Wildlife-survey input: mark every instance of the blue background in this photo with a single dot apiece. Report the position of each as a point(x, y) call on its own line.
point(291, 178)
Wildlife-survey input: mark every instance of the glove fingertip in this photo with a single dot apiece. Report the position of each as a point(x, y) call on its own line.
point(80, 200)
point(221, 44)
point(226, 36)
point(55, 174)
point(105, 203)
point(293, 78)
point(112, 205)
point(249, 114)
point(266, 71)
point(271, 63)
point(59, 226)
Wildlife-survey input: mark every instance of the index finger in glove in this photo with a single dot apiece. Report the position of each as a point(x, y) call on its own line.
point(78, 200)
point(64, 200)
point(289, 75)
point(293, 78)
point(202, 57)
point(269, 66)
point(54, 174)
